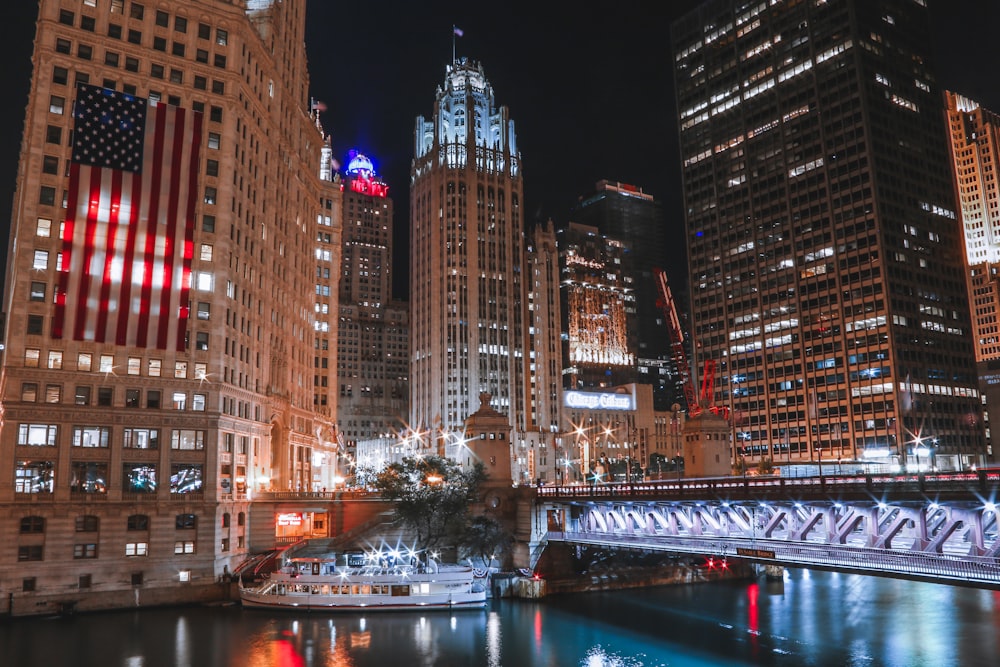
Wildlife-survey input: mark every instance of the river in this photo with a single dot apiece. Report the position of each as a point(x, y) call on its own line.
point(821, 619)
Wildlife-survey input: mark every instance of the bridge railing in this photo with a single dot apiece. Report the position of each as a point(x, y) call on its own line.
point(704, 487)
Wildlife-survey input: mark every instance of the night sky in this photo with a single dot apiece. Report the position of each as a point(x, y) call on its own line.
point(589, 91)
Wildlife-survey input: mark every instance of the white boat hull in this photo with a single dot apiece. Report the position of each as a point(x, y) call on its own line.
point(446, 589)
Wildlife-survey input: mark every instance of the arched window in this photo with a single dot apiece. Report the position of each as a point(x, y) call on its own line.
point(33, 524)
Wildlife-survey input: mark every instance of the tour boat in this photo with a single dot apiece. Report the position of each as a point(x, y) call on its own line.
point(373, 581)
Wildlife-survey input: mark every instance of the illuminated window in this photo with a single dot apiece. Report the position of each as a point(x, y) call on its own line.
point(180, 400)
point(41, 260)
point(180, 369)
point(29, 392)
point(141, 438)
point(43, 229)
point(107, 363)
point(55, 359)
point(84, 360)
point(91, 436)
point(189, 439)
point(136, 549)
point(184, 547)
point(134, 365)
point(37, 435)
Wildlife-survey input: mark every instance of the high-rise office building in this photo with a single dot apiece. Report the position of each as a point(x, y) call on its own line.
point(373, 345)
point(159, 366)
point(597, 297)
point(472, 293)
point(827, 272)
point(634, 217)
point(974, 134)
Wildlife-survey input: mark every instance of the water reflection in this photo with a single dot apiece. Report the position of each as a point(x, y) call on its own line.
point(814, 619)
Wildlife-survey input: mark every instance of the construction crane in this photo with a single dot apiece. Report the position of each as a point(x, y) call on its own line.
point(694, 401)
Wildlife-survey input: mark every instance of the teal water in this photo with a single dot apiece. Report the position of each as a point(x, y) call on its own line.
point(811, 618)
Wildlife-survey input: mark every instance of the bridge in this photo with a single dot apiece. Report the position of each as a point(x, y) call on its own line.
point(939, 527)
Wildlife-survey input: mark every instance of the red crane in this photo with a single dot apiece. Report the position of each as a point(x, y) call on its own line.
point(694, 401)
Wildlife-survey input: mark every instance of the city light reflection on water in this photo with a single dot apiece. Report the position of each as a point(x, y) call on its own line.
point(809, 619)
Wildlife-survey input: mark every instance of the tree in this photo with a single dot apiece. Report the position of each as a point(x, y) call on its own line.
point(486, 539)
point(432, 497)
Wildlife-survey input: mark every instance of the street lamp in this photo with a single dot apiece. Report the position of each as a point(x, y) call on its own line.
point(920, 450)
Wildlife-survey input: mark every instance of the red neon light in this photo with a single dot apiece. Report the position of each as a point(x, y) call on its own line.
point(364, 186)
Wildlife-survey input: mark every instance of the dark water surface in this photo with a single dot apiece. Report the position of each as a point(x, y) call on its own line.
point(810, 619)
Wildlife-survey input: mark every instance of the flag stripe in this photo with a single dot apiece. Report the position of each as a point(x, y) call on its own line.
point(187, 251)
point(151, 214)
point(90, 252)
point(128, 262)
point(69, 227)
point(128, 234)
point(170, 238)
point(108, 276)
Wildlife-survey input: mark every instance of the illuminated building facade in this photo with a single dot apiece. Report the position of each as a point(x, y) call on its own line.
point(472, 297)
point(974, 134)
point(624, 212)
point(373, 345)
point(158, 372)
point(598, 309)
point(826, 262)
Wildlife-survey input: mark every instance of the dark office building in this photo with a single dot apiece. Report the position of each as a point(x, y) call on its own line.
point(624, 212)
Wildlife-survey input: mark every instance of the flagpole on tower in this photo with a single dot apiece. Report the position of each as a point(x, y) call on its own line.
point(455, 32)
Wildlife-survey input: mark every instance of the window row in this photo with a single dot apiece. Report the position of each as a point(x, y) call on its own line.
point(46, 435)
point(88, 523)
point(85, 362)
point(33, 392)
point(60, 77)
point(38, 476)
point(137, 12)
point(156, 70)
point(36, 552)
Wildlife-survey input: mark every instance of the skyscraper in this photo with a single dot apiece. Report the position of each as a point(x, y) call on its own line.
point(373, 345)
point(975, 154)
point(469, 273)
point(598, 302)
point(626, 213)
point(826, 261)
point(159, 351)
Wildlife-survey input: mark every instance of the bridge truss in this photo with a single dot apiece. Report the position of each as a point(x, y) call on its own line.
point(942, 529)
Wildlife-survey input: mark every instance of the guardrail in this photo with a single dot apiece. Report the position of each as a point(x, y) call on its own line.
point(962, 483)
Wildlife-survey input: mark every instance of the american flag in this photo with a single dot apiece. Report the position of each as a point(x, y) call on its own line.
point(128, 237)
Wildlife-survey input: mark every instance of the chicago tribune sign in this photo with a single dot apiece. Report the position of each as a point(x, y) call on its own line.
point(589, 400)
